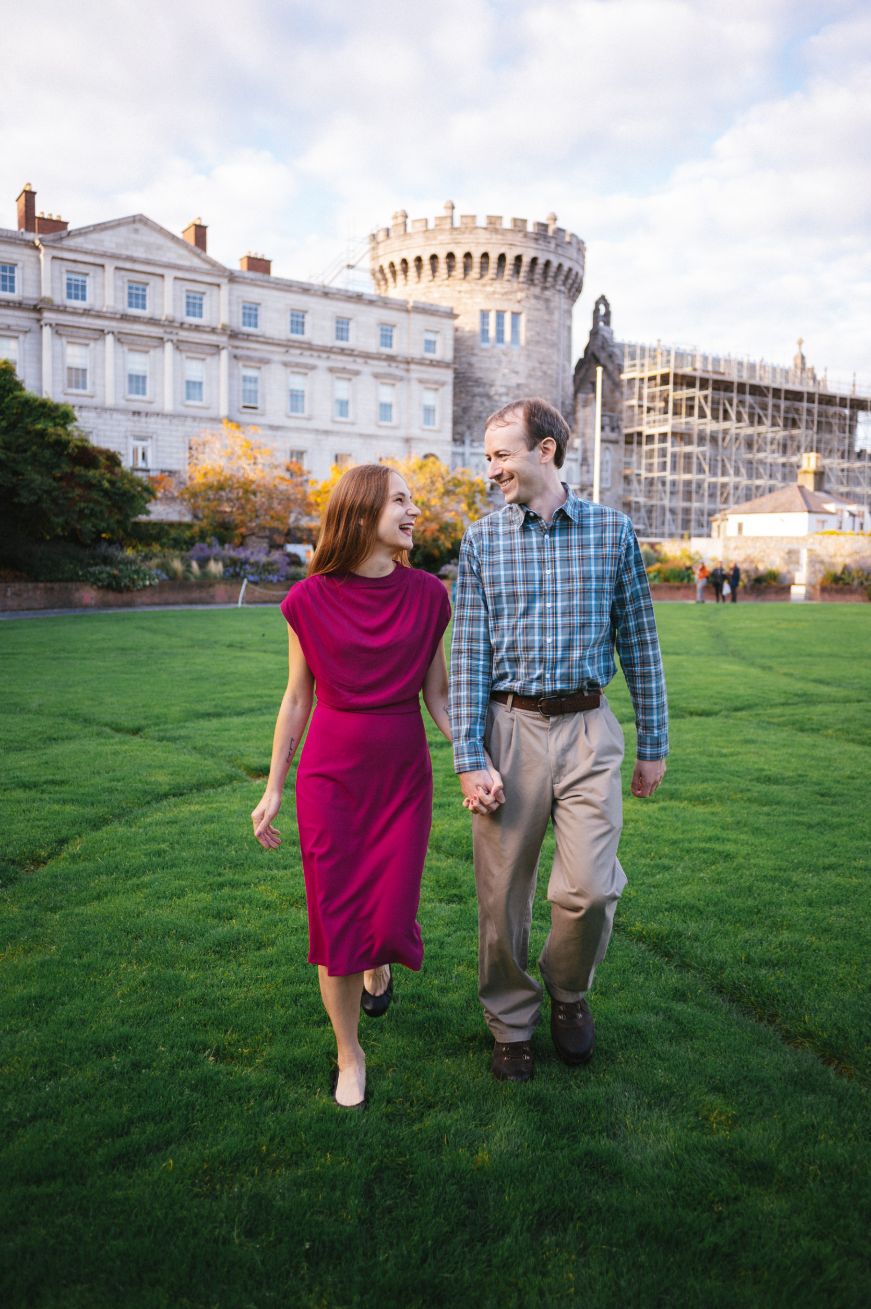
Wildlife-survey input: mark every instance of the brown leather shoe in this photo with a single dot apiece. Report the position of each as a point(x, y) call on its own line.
point(512, 1061)
point(573, 1031)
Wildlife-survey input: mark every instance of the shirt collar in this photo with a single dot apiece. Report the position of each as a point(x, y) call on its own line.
point(572, 508)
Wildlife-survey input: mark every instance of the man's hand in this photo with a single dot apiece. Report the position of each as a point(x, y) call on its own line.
point(482, 791)
point(647, 776)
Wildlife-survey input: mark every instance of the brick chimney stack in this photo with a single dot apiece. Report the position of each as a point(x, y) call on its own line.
point(256, 264)
point(27, 209)
point(812, 475)
point(195, 234)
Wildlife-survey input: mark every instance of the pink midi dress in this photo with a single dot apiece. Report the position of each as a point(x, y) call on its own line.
point(364, 781)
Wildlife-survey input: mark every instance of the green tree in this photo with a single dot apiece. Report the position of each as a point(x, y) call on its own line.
point(237, 488)
point(55, 484)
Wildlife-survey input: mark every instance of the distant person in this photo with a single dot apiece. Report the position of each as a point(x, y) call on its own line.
point(734, 581)
point(547, 587)
point(701, 582)
point(718, 577)
point(365, 630)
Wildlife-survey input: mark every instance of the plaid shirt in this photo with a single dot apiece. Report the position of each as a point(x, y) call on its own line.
point(539, 610)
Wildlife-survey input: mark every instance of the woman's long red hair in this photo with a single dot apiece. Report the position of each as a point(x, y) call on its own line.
point(349, 527)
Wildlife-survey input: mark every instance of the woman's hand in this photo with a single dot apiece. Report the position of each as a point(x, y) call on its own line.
point(268, 836)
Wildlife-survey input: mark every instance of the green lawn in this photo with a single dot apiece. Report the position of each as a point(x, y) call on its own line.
point(168, 1134)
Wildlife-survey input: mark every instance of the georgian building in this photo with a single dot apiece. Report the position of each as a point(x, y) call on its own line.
point(153, 341)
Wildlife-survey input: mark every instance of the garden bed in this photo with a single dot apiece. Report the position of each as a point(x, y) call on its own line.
point(79, 595)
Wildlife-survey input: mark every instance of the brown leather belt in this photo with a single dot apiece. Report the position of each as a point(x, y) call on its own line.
point(575, 703)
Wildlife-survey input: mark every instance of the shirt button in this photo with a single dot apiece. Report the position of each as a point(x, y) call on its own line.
point(547, 572)
point(550, 640)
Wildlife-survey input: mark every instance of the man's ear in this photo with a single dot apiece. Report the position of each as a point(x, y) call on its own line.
point(547, 448)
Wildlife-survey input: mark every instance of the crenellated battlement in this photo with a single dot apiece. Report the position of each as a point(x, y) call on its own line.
point(540, 254)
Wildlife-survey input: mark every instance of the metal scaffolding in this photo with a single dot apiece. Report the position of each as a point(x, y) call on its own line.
point(702, 433)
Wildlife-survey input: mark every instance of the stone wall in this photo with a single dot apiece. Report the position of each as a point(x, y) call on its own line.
point(17, 596)
point(824, 551)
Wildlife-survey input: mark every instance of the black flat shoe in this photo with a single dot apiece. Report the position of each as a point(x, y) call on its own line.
point(374, 1006)
point(334, 1081)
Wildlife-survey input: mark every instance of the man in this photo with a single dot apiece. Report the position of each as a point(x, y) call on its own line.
point(734, 581)
point(546, 587)
point(718, 577)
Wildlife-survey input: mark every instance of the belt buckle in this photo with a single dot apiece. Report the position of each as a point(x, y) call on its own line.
point(542, 700)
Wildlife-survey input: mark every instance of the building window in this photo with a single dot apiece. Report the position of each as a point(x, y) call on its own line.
point(485, 327)
point(251, 315)
point(296, 397)
point(296, 457)
point(515, 329)
point(140, 455)
point(386, 402)
point(386, 333)
point(500, 326)
point(343, 329)
point(9, 350)
point(342, 459)
point(194, 304)
point(194, 381)
point(137, 296)
point(430, 343)
point(429, 416)
point(297, 322)
point(8, 278)
point(78, 363)
point(605, 470)
point(250, 388)
point(77, 287)
point(137, 373)
point(342, 398)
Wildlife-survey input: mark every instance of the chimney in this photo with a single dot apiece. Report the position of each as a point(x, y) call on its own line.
point(811, 475)
point(255, 264)
point(195, 234)
point(27, 209)
point(48, 224)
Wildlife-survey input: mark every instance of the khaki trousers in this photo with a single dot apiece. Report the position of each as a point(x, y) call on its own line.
point(564, 769)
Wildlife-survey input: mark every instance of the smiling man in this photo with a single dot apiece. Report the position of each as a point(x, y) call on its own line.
point(548, 586)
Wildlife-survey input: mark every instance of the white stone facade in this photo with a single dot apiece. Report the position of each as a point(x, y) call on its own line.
point(153, 341)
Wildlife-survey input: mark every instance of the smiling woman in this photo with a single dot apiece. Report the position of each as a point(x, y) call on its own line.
point(365, 630)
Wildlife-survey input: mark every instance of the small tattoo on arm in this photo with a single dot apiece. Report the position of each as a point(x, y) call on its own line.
point(290, 751)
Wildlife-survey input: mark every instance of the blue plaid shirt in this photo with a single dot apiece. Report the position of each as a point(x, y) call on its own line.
point(539, 610)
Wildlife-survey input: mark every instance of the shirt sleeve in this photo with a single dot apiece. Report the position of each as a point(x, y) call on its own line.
point(637, 644)
point(471, 664)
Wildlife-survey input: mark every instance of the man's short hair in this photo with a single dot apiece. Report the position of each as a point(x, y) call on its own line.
point(540, 419)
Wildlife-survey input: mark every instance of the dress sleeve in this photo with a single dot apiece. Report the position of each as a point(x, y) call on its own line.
point(290, 609)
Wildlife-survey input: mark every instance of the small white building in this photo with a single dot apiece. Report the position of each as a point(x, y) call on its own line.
point(153, 341)
point(797, 510)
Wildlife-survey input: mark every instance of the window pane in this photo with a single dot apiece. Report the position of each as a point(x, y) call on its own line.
point(386, 336)
point(500, 326)
point(430, 343)
point(485, 326)
point(297, 322)
point(137, 295)
point(137, 373)
point(194, 381)
point(9, 349)
point(78, 358)
point(343, 329)
point(194, 304)
point(342, 398)
point(430, 400)
point(515, 329)
point(7, 278)
point(296, 457)
point(250, 315)
point(77, 287)
point(296, 395)
point(141, 454)
point(250, 388)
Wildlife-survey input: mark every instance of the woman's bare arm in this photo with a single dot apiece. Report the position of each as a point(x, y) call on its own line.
point(435, 697)
point(290, 724)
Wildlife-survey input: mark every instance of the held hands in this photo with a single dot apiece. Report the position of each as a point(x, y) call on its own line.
point(646, 777)
point(268, 836)
point(483, 791)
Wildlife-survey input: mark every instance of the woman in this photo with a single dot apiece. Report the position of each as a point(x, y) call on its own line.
point(366, 630)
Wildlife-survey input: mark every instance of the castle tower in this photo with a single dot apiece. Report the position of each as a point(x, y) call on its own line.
point(512, 289)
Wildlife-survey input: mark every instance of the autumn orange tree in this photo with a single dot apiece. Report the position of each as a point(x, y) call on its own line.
point(238, 488)
point(449, 499)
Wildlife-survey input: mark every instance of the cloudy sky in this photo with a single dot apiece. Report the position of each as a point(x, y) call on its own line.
point(715, 157)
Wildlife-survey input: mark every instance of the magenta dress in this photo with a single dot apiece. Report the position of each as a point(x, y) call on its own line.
point(364, 782)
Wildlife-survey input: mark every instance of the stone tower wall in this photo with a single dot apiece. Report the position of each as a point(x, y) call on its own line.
point(535, 269)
